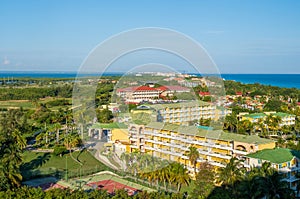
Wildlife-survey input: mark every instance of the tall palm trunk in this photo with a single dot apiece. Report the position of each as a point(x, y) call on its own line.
point(57, 135)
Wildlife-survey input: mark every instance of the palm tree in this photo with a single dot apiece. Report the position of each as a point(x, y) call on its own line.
point(57, 127)
point(250, 187)
point(72, 140)
point(273, 122)
point(193, 155)
point(181, 175)
point(19, 139)
point(275, 187)
point(230, 174)
point(231, 122)
point(246, 125)
point(10, 164)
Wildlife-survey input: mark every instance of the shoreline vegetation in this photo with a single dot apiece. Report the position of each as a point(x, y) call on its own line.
point(36, 113)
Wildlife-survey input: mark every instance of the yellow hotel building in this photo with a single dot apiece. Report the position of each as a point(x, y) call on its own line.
point(183, 113)
point(171, 142)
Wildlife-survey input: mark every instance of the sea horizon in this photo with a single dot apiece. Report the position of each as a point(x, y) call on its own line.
point(284, 80)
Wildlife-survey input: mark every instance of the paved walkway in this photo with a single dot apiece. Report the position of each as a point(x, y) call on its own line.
point(98, 146)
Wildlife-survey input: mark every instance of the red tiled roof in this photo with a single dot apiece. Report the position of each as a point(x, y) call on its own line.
point(145, 88)
point(204, 93)
point(128, 89)
point(162, 88)
point(136, 88)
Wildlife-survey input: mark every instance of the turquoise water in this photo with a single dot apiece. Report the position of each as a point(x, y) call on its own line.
point(281, 80)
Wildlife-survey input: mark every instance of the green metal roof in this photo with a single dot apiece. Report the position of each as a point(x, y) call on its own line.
point(109, 126)
point(281, 114)
point(255, 115)
point(214, 134)
point(251, 139)
point(180, 104)
point(277, 155)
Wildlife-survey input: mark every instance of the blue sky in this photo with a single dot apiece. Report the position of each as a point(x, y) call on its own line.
point(241, 36)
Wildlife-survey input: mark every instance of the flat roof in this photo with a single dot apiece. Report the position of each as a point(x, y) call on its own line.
point(109, 126)
point(281, 114)
point(213, 134)
point(255, 115)
point(180, 104)
point(277, 155)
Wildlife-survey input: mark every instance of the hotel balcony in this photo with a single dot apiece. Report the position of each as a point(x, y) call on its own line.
point(133, 139)
point(240, 152)
point(291, 179)
point(164, 151)
point(288, 169)
point(225, 147)
point(191, 169)
point(223, 156)
point(216, 164)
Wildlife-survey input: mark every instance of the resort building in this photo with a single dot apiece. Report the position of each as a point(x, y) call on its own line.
point(286, 119)
point(285, 161)
point(171, 90)
point(114, 135)
point(138, 94)
point(171, 142)
point(147, 93)
point(185, 112)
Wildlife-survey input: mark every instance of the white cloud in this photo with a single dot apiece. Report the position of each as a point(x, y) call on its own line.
point(6, 61)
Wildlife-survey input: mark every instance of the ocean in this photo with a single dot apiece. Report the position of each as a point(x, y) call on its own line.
point(280, 80)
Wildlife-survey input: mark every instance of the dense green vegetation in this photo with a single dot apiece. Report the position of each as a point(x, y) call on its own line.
point(258, 89)
point(35, 93)
point(26, 192)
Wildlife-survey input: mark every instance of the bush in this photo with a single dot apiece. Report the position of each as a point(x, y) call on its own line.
point(59, 150)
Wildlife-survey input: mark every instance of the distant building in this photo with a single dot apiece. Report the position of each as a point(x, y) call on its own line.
point(170, 90)
point(149, 93)
point(185, 112)
point(204, 94)
point(285, 161)
point(138, 94)
point(286, 119)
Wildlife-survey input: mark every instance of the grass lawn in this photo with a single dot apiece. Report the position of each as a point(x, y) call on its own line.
point(43, 164)
point(26, 104)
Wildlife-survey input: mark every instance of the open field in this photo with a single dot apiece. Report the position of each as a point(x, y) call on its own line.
point(27, 104)
point(46, 164)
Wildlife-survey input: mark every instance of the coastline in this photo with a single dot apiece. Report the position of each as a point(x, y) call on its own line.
point(280, 80)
